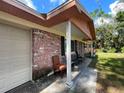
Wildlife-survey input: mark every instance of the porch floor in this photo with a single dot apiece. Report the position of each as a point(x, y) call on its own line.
point(84, 79)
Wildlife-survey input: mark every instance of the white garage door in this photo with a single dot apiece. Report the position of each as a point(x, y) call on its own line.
point(15, 59)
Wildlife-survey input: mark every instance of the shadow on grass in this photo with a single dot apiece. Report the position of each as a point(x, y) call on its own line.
point(113, 82)
point(94, 62)
point(110, 74)
point(115, 65)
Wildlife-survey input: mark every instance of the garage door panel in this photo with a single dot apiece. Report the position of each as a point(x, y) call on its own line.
point(11, 64)
point(4, 44)
point(20, 52)
point(13, 53)
point(6, 48)
point(17, 80)
point(11, 33)
point(2, 84)
point(19, 66)
point(3, 65)
point(19, 76)
point(20, 44)
point(15, 60)
point(20, 36)
point(5, 34)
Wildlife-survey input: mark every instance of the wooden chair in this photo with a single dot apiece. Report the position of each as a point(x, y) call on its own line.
point(57, 66)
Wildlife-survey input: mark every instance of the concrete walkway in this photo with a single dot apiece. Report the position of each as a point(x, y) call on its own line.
point(84, 81)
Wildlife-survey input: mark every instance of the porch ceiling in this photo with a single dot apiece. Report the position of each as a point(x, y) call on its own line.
point(76, 33)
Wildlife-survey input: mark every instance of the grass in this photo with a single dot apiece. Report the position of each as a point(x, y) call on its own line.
point(110, 68)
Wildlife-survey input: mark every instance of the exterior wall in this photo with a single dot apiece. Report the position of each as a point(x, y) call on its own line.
point(45, 45)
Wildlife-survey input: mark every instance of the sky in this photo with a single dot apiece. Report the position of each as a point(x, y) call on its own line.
point(44, 6)
point(91, 5)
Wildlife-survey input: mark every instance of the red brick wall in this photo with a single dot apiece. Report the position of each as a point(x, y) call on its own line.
point(45, 45)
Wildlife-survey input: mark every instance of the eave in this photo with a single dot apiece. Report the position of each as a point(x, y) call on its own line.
point(70, 10)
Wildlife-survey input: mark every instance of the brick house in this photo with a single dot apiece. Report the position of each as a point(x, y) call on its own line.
point(29, 39)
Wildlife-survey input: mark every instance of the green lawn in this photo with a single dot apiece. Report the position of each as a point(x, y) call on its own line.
point(110, 68)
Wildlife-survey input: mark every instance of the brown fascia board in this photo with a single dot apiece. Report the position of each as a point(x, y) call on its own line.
point(92, 30)
point(22, 6)
point(82, 9)
point(90, 20)
point(68, 4)
point(65, 12)
point(21, 11)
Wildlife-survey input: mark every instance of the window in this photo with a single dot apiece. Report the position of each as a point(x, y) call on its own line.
point(72, 45)
point(75, 47)
point(62, 45)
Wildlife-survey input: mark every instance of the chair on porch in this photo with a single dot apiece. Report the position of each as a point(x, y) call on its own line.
point(57, 65)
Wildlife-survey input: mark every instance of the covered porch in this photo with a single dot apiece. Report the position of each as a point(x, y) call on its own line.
point(74, 23)
point(72, 33)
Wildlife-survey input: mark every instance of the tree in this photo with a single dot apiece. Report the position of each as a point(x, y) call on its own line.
point(104, 36)
point(103, 33)
point(111, 35)
point(98, 13)
point(119, 19)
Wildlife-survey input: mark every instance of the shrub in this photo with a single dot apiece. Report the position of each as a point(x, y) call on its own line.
point(112, 50)
point(122, 49)
point(104, 50)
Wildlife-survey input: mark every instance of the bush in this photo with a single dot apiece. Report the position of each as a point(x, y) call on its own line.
point(104, 50)
point(112, 50)
point(122, 49)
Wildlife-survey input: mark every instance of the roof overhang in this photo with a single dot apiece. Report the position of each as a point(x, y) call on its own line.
point(70, 10)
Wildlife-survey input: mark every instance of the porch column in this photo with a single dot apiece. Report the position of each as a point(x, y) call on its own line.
point(68, 54)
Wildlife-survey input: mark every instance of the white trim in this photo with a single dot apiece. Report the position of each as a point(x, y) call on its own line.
point(31, 72)
point(68, 54)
